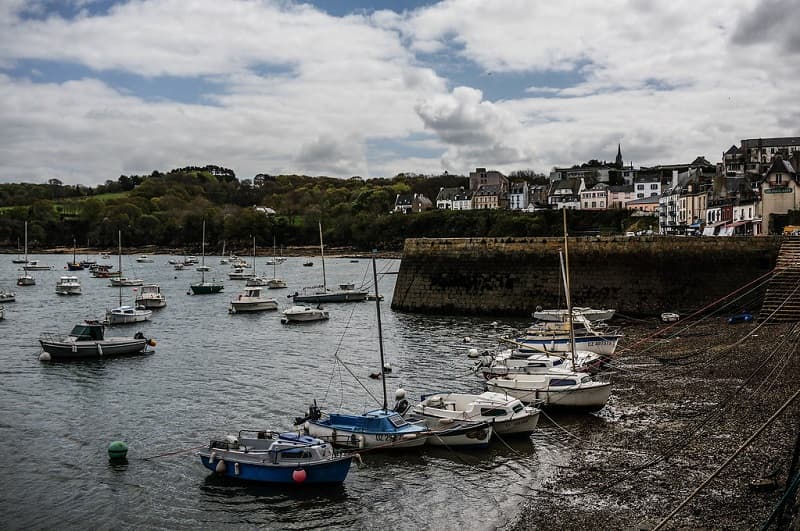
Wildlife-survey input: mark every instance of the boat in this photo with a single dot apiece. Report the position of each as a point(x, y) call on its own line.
point(742, 317)
point(509, 416)
point(68, 285)
point(26, 279)
point(35, 265)
point(239, 273)
point(74, 265)
point(512, 361)
point(308, 263)
point(178, 267)
point(269, 457)
point(7, 296)
point(124, 314)
point(203, 287)
point(88, 340)
point(20, 259)
point(454, 433)
point(670, 317)
point(103, 271)
point(558, 337)
point(150, 297)
point(223, 260)
point(105, 256)
point(203, 268)
point(191, 259)
point(251, 277)
point(251, 300)
point(304, 314)
point(275, 282)
point(558, 316)
point(382, 428)
point(144, 259)
point(556, 389)
point(121, 282)
point(317, 294)
point(2, 312)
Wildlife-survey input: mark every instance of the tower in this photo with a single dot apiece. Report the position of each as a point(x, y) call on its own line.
point(618, 162)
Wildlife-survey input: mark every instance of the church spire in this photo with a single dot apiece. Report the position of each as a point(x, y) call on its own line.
point(618, 163)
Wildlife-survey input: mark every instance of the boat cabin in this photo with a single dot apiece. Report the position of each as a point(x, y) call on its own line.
point(89, 331)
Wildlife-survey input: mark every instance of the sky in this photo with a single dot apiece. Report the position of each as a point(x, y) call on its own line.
point(93, 89)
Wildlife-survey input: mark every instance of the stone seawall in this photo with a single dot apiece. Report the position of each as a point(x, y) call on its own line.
point(637, 276)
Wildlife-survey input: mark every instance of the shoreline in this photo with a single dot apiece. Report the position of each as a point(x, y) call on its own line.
point(680, 407)
point(289, 252)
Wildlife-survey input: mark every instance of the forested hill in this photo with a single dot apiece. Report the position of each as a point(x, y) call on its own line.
point(168, 209)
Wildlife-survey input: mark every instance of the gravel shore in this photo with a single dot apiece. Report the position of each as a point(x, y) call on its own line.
point(684, 400)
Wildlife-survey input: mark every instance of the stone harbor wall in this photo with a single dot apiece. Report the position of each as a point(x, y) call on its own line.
point(636, 276)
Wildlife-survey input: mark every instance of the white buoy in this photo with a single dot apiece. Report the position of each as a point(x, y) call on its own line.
point(494, 324)
point(236, 469)
point(220, 467)
point(467, 339)
point(44, 356)
point(400, 394)
point(472, 353)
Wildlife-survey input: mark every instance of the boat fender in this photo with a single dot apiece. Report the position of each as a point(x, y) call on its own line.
point(99, 349)
point(212, 457)
point(151, 342)
point(472, 353)
point(409, 436)
point(220, 468)
point(236, 469)
point(360, 439)
point(445, 421)
point(44, 356)
point(357, 457)
point(299, 475)
point(74, 347)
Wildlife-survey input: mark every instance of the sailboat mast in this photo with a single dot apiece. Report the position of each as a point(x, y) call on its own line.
point(119, 237)
point(254, 257)
point(322, 255)
point(274, 260)
point(26, 242)
point(567, 292)
point(203, 255)
point(380, 330)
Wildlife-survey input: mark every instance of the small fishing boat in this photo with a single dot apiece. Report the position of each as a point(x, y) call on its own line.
point(35, 265)
point(118, 282)
point(88, 340)
point(74, 265)
point(513, 361)
point(7, 296)
point(239, 273)
point(150, 296)
point(508, 415)
point(68, 285)
point(268, 457)
point(252, 300)
point(105, 256)
point(556, 389)
point(304, 314)
point(144, 259)
point(308, 263)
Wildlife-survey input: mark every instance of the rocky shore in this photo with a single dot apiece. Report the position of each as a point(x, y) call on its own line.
point(684, 400)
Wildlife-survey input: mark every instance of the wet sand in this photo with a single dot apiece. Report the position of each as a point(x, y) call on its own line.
point(683, 402)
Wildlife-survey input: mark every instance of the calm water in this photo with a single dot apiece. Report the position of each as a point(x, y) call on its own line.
point(215, 373)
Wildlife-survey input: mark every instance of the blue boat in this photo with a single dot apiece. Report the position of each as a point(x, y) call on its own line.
point(743, 317)
point(380, 428)
point(269, 457)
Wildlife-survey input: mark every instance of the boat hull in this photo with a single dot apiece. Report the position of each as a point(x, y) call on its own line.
point(601, 344)
point(256, 467)
point(206, 289)
point(344, 296)
point(592, 398)
point(343, 438)
point(77, 350)
point(151, 303)
point(249, 306)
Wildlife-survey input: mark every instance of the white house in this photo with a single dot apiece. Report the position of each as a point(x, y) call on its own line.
point(518, 196)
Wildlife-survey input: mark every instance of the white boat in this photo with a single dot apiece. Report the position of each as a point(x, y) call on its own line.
point(7, 296)
point(35, 265)
point(556, 337)
point(203, 287)
point(178, 267)
point(26, 279)
point(507, 415)
point(88, 340)
point(150, 296)
point(512, 361)
point(251, 300)
point(304, 314)
point(670, 317)
point(556, 389)
point(559, 316)
point(125, 281)
point(124, 314)
point(275, 282)
point(203, 268)
point(317, 294)
point(68, 285)
point(105, 256)
point(223, 260)
point(144, 259)
point(190, 260)
point(239, 273)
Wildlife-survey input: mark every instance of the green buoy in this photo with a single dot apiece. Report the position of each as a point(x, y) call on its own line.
point(117, 450)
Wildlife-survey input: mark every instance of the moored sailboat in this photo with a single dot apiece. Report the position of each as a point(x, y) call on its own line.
point(124, 314)
point(203, 287)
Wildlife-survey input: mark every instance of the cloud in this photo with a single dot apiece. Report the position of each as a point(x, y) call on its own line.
point(771, 21)
point(333, 155)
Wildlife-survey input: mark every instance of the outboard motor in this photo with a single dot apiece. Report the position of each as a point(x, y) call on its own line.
point(314, 413)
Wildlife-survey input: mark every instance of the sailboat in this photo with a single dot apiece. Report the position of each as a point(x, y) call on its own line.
point(19, 259)
point(124, 314)
point(317, 294)
point(223, 260)
point(120, 281)
point(203, 287)
point(74, 265)
point(26, 279)
point(555, 387)
point(239, 271)
point(378, 428)
point(275, 282)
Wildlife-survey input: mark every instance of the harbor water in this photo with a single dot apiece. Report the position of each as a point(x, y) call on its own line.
point(213, 373)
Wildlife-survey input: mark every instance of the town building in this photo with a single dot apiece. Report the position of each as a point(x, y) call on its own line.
point(445, 197)
point(407, 203)
point(481, 177)
point(566, 193)
point(645, 206)
point(490, 196)
point(755, 155)
point(620, 195)
point(595, 198)
point(518, 196)
point(779, 191)
point(647, 186)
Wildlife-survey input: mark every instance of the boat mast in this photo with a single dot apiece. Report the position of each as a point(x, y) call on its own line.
point(322, 255)
point(26, 243)
point(274, 260)
point(380, 331)
point(254, 257)
point(203, 255)
point(565, 273)
point(119, 234)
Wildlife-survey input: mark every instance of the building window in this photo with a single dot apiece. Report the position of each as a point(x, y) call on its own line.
point(654, 186)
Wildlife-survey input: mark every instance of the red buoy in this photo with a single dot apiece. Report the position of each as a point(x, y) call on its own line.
point(299, 475)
